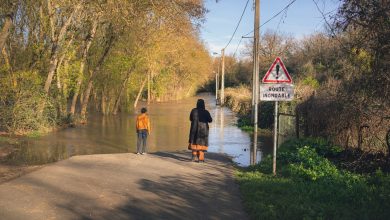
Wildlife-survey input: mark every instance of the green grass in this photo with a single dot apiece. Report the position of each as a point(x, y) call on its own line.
point(247, 128)
point(309, 186)
point(245, 124)
point(34, 134)
point(4, 139)
point(8, 140)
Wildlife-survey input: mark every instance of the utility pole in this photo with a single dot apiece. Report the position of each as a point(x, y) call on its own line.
point(255, 80)
point(216, 86)
point(217, 79)
point(223, 78)
point(217, 82)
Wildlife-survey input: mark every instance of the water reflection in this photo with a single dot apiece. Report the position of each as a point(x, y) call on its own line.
point(116, 134)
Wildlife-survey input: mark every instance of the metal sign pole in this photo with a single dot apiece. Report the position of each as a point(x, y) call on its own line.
point(216, 88)
point(217, 82)
point(222, 93)
point(275, 137)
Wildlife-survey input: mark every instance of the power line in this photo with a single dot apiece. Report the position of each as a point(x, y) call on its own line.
point(330, 26)
point(282, 19)
point(238, 24)
point(234, 54)
point(277, 14)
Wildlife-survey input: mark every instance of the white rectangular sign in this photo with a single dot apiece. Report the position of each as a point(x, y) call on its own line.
point(276, 92)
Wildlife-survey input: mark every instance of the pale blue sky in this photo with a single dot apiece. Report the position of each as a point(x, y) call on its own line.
point(302, 19)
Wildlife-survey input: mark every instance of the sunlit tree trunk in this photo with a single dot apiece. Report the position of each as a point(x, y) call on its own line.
point(6, 59)
point(84, 103)
point(87, 93)
point(56, 41)
point(5, 30)
point(103, 103)
point(61, 99)
point(140, 92)
point(123, 86)
point(14, 82)
point(82, 66)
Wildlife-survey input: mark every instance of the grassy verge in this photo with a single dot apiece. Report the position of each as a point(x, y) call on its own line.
point(310, 186)
point(238, 99)
point(246, 125)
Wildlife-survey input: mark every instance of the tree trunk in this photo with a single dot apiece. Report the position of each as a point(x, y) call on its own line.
point(139, 92)
point(60, 106)
point(61, 102)
point(82, 66)
point(123, 86)
point(56, 40)
point(87, 93)
point(52, 68)
point(84, 104)
point(149, 79)
point(78, 85)
point(5, 30)
point(81, 97)
point(14, 82)
point(103, 103)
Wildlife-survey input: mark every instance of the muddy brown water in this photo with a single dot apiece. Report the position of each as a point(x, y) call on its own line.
point(116, 134)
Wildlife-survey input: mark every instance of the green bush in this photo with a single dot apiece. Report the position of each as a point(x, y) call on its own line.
point(244, 121)
point(266, 115)
point(24, 107)
point(321, 146)
point(311, 81)
point(309, 165)
point(265, 166)
point(309, 186)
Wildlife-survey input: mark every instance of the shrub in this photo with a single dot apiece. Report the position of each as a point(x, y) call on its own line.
point(309, 186)
point(309, 165)
point(321, 146)
point(311, 81)
point(24, 107)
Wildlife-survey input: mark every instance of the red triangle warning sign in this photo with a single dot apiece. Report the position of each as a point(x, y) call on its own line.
point(277, 73)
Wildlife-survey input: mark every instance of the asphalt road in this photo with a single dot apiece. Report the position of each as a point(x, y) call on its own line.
point(126, 186)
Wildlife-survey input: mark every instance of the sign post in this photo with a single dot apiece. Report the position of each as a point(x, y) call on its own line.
point(275, 138)
point(278, 88)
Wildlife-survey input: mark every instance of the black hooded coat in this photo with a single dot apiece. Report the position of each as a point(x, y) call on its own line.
point(199, 131)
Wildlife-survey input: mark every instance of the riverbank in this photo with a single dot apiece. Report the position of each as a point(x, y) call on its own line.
point(311, 184)
point(8, 169)
point(162, 185)
point(315, 179)
point(239, 100)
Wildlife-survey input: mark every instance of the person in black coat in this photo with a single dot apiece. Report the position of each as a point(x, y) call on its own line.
point(199, 131)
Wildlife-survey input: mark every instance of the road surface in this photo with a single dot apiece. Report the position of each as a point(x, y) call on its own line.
point(125, 186)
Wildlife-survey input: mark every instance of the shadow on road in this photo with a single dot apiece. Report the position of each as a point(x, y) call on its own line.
point(186, 156)
point(161, 185)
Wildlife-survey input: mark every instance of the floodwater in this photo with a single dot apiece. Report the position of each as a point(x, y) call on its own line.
point(116, 134)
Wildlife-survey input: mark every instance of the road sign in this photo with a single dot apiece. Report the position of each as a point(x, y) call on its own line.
point(280, 89)
point(276, 92)
point(277, 73)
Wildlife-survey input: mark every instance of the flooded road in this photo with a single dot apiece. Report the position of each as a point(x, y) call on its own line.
point(116, 134)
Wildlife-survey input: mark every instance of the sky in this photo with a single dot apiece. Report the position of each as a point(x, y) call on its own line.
point(301, 19)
